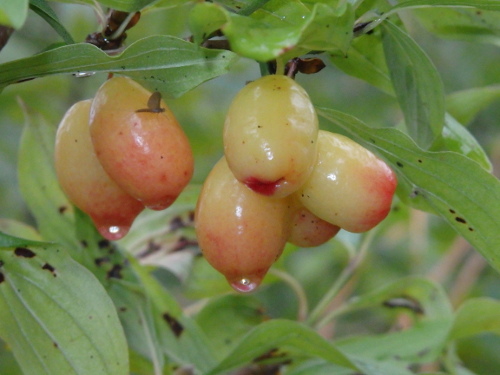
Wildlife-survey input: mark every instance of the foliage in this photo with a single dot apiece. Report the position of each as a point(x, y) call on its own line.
point(74, 303)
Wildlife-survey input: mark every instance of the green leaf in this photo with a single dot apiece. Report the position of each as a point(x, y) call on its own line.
point(280, 338)
point(421, 343)
point(462, 23)
point(279, 28)
point(19, 230)
point(456, 137)
point(457, 188)
point(38, 183)
point(476, 316)
point(124, 5)
point(365, 60)
point(237, 314)
point(41, 8)
point(464, 105)
point(483, 4)
point(13, 13)
point(417, 83)
point(8, 241)
point(162, 63)
point(56, 316)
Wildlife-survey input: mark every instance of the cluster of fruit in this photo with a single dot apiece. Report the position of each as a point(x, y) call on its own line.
point(283, 180)
point(120, 152)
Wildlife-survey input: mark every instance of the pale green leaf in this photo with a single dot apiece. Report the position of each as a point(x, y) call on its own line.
point(281, 337)
point(13, 13)
point(417, 84)
point(56, 316)
point(466, 104)
point(455, 137)
point(38, 183)
point(45, 11)
point(476, 316)
point(124, 5)
point(457, 188)
point(162, 63)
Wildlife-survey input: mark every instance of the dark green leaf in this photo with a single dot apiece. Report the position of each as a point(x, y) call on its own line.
point(464, 105)
point(13, 13)
point(45, 11)
point(417, 85)
point(484, 4)
point(56, 316)
point(162, 63)
point(457, 188)
point(8, 241)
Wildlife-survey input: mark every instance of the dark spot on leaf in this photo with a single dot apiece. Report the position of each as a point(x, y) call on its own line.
point(471, 229)
point(1, 263)
point(55, 345)
point(84, 243)
point(452, 211)
point(103, 244)
point(404, 302)
point(24, 252)
point(419, 160)
point(271, 354)
point(100, 261)
point(174, 324)
point(176, 223)
point(115, 272)
point(423, 352)
point(461, 220)
point(49, 268)
point(122, 309)
point(399, 164)
point(2, 278)
point(63, 209)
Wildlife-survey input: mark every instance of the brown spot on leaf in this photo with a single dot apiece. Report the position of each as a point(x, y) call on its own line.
point(24, 252)
point(404, 302)
point(115, 272)
point(49, 268)
point(2, 278)
point(62, 209)
point(174, 324)
point(461, 220)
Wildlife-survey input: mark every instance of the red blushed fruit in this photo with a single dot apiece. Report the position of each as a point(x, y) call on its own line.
point(349, 186)
point(262, 187)
point(241, 233)
point(85, 182)
point(139, 142)
point(308, 230)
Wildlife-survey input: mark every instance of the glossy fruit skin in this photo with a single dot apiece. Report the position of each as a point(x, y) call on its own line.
point(349, 187)
point(270, 135)
point(241, 233)
point(308, 230)
point(145, 152)
point(85, 182)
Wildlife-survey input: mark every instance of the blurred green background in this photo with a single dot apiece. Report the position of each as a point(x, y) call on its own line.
point(409, 242)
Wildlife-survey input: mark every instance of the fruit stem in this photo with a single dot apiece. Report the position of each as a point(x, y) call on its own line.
point(316, 317)
point(280, 66)
point(303, 307)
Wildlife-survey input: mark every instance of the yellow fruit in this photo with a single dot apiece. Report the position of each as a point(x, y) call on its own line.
point(270, 135)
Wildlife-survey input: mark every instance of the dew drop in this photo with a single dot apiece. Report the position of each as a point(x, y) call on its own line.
point(113, 232)
point(245, 284)
point(83, 74)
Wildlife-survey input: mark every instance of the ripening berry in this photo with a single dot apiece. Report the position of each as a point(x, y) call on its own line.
point(240, 232)
point(140, 143)
point(270, 136)
point(85, 182)
point(308, 230)
point(349, 187)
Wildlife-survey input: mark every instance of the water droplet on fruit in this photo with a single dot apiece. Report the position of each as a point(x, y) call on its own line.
point(245, 284)
point(113, 232)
